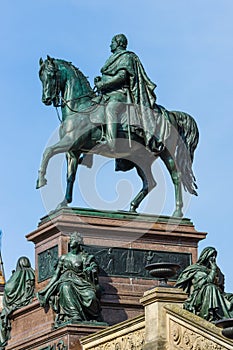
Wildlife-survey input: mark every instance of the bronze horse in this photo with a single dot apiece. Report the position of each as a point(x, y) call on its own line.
point(65, 85)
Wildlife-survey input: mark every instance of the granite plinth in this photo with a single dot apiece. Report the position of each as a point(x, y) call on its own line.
point(129, 239)
point(33, 329)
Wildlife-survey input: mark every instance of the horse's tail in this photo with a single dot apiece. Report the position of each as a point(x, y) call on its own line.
point(187, 143)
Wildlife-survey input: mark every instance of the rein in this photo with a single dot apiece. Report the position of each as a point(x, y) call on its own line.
point(59, 101)
point(58, 115)
point(65, 102)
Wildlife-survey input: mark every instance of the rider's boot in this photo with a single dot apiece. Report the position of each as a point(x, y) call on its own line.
point(110, 138)
point(111, 135)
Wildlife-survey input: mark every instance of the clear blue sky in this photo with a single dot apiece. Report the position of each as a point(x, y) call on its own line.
point(186, 48)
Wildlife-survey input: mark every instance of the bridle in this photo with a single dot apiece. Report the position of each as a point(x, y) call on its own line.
point(58, 100)
point(57, 77)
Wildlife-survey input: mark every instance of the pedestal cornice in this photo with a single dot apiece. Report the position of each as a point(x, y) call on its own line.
point(132, 225)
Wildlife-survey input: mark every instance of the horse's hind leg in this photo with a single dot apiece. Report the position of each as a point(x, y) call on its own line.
point(148, 184)
point(176, 179)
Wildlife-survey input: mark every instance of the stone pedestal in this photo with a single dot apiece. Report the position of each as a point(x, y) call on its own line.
point(32, 329)
point(165, 326)
point(123, 244)
point(155, 315)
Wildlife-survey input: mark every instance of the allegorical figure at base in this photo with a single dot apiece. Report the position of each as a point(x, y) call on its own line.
point(18, 292)
point(73, 291)
point(204, 282)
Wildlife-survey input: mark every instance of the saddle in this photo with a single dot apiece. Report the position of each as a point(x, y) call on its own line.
point(158, 123)
point(130, 116)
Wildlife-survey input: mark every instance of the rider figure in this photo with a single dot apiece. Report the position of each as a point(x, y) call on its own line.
point(123, 81)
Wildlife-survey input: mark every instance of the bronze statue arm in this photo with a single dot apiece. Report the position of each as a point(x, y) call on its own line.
point(44, 294)
point(114, 82)
point(213, 272)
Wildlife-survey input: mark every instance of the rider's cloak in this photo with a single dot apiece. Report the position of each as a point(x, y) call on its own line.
point(142, 94)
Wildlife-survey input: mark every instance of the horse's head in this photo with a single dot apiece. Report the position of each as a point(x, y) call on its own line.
point(49, 77)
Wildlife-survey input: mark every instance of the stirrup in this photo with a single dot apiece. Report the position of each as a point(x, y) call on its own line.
point(102, 141)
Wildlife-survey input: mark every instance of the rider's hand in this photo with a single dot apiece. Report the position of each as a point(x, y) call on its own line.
point(99, 85)
point(97, 79)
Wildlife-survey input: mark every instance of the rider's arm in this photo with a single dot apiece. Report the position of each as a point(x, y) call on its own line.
point(113, 82)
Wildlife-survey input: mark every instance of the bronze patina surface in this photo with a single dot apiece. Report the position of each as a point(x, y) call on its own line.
point(120, 120)
point(73, 291)
point(18, 292)
point(204, 282)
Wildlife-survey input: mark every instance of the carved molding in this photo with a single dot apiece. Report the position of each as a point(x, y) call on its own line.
point(131, 341)
point(58, 346)
point(182, 338)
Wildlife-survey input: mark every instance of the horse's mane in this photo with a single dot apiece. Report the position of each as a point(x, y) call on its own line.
point(77, 71)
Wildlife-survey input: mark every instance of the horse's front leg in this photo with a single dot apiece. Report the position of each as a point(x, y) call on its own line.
point(72, 165)
point(60, 147)
point(41, 181)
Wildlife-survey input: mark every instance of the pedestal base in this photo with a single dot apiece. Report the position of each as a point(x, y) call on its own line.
point(32, 329)
point(123, 243)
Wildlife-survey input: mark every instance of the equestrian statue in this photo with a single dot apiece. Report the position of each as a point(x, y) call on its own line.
point(118, 119)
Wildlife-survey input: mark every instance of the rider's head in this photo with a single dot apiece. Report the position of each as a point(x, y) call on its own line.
point(120, 40)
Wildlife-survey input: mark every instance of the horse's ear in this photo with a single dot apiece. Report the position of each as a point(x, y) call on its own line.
point(41, 61)
point(49, 58)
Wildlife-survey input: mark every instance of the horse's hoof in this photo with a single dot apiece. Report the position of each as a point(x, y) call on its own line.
point(63, 204)
point(41, 182)
point(132, 209)
point(178, 213)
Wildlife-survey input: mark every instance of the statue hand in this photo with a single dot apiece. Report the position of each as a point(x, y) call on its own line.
point(89, 268)
point(212, 259)
point(99, 85)
point(42, 303)
point(213, 263)
point(97, 79)
point(42, 300)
